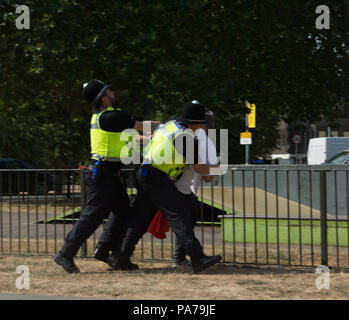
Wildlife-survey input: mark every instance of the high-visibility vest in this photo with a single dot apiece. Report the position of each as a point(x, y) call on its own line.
point(161, 153)
point(106, 145)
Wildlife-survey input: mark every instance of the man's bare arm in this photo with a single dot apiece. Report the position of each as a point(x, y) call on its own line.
point(207, 178)
point(139, 125)
point(201, 168)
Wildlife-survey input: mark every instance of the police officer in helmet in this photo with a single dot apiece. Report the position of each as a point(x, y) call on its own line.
point(166, 157)
point(105, 193)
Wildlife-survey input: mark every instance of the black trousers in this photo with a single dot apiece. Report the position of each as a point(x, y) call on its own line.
point(180, 252)
point(105, 196)
point(156, 192)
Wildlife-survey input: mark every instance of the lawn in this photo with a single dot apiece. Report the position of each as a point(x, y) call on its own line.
point(273, 231)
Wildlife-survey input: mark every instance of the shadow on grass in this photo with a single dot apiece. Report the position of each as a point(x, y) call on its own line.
point(146, 267)
point(229, 270)
point(222, 269)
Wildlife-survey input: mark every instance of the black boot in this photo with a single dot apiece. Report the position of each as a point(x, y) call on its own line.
point(66, 263)
point(181, 263)
point(205, 262)
point(199, 261)
point(121, 262)
point(101, 253)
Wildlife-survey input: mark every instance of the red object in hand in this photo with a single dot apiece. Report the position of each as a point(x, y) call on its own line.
point(159, 226)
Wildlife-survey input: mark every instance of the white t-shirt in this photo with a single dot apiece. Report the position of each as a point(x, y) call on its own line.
point(190, 179)
point(186, 180)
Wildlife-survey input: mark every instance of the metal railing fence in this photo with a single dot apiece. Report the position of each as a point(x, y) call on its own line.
point(36, 208)
point(294, 215)
point(286, 215)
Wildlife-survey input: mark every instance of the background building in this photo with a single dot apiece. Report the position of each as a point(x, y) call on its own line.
point(289, 152)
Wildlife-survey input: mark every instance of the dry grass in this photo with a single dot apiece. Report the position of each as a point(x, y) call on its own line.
point(157, 281)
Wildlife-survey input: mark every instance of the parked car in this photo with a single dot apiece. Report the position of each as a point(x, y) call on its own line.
point(340, 158)
point(30, 181)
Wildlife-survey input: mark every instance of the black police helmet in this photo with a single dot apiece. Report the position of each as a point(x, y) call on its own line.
point(93, 91)
point(193, 113)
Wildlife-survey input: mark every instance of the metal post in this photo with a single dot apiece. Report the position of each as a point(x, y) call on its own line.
point(329, 132)
point(323, 214)
point(247, 146)
point(82, 206)
point(296, 147)
point(305, 145)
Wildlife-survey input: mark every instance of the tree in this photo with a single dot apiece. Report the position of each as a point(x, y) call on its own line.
point(161, 54)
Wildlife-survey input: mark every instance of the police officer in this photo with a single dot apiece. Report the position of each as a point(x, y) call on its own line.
point(105, 193)
point(166, 158)
point(189, 182)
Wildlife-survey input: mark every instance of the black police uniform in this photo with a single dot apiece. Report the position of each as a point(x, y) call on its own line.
point(105, 195)
point(179, 251)
point(155, 191)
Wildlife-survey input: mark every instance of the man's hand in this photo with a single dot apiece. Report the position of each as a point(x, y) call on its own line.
point(144, 139)
point(154, 125)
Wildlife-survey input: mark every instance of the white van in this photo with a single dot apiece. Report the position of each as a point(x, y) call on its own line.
point(322, 149)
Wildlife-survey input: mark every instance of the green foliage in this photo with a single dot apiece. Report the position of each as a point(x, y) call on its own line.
point(159, 55)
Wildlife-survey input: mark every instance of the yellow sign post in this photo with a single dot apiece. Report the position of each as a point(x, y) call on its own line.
point(250, 122)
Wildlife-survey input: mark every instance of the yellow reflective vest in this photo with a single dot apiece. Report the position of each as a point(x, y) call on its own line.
point(106, 145)
point(161, 153)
